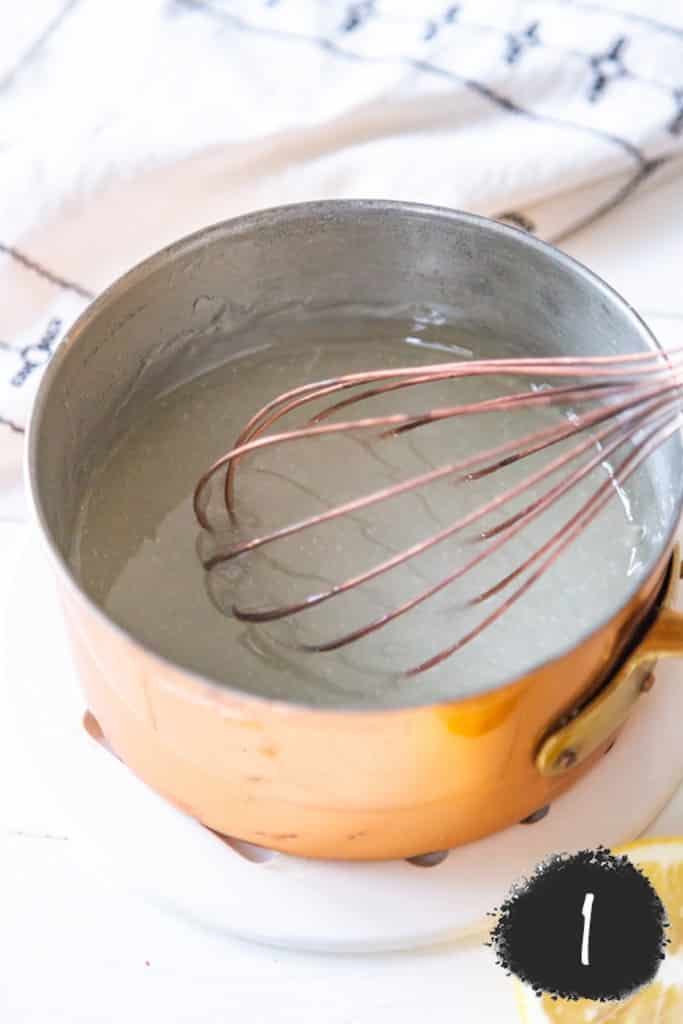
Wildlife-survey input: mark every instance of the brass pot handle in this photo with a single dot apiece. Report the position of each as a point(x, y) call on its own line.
point(572, 743)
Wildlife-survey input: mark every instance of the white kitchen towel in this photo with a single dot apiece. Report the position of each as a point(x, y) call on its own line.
point(124, 125)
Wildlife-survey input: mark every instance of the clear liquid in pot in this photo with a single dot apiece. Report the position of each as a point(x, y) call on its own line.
point(136, 546)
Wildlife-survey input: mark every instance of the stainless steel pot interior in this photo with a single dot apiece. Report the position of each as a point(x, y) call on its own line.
point(176, 313)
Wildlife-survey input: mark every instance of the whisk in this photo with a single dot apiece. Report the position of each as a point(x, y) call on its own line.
point(638, 398)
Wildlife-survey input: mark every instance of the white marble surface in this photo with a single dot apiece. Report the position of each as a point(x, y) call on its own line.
point(75, 949)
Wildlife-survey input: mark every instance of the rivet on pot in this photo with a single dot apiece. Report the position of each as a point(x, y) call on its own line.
point(538, 815)
point(428, 860)
point(566, 759)
point(647, 683)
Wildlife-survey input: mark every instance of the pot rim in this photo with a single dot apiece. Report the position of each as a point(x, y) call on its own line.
point(253, 221)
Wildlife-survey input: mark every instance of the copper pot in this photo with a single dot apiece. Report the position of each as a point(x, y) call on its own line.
point(340, 783)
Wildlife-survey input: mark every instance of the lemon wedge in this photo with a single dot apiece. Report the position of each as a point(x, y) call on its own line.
point(660, 1002)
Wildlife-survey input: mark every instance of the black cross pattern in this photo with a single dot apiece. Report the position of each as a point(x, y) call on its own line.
point(357, 14)
point(606, 68)
point(431, 30)
point(517, 43)
point(449, 17)
point(37, 354)
point(434, 25)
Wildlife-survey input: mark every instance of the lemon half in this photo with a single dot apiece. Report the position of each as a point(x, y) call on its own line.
point(660, 1002)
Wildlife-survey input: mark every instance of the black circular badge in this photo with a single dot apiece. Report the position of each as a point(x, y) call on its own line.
point(585, 926)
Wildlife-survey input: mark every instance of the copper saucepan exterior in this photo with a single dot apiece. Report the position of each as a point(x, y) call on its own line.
point(352, 784)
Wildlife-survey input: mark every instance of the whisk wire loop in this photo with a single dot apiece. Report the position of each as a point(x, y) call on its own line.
point(638, 404)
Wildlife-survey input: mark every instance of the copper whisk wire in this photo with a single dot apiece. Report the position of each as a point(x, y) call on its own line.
point(638, 394)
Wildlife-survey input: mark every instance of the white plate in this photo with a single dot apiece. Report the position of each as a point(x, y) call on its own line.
point(163, 856)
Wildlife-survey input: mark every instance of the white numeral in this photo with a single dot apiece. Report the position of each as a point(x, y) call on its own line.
point(587, 910)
